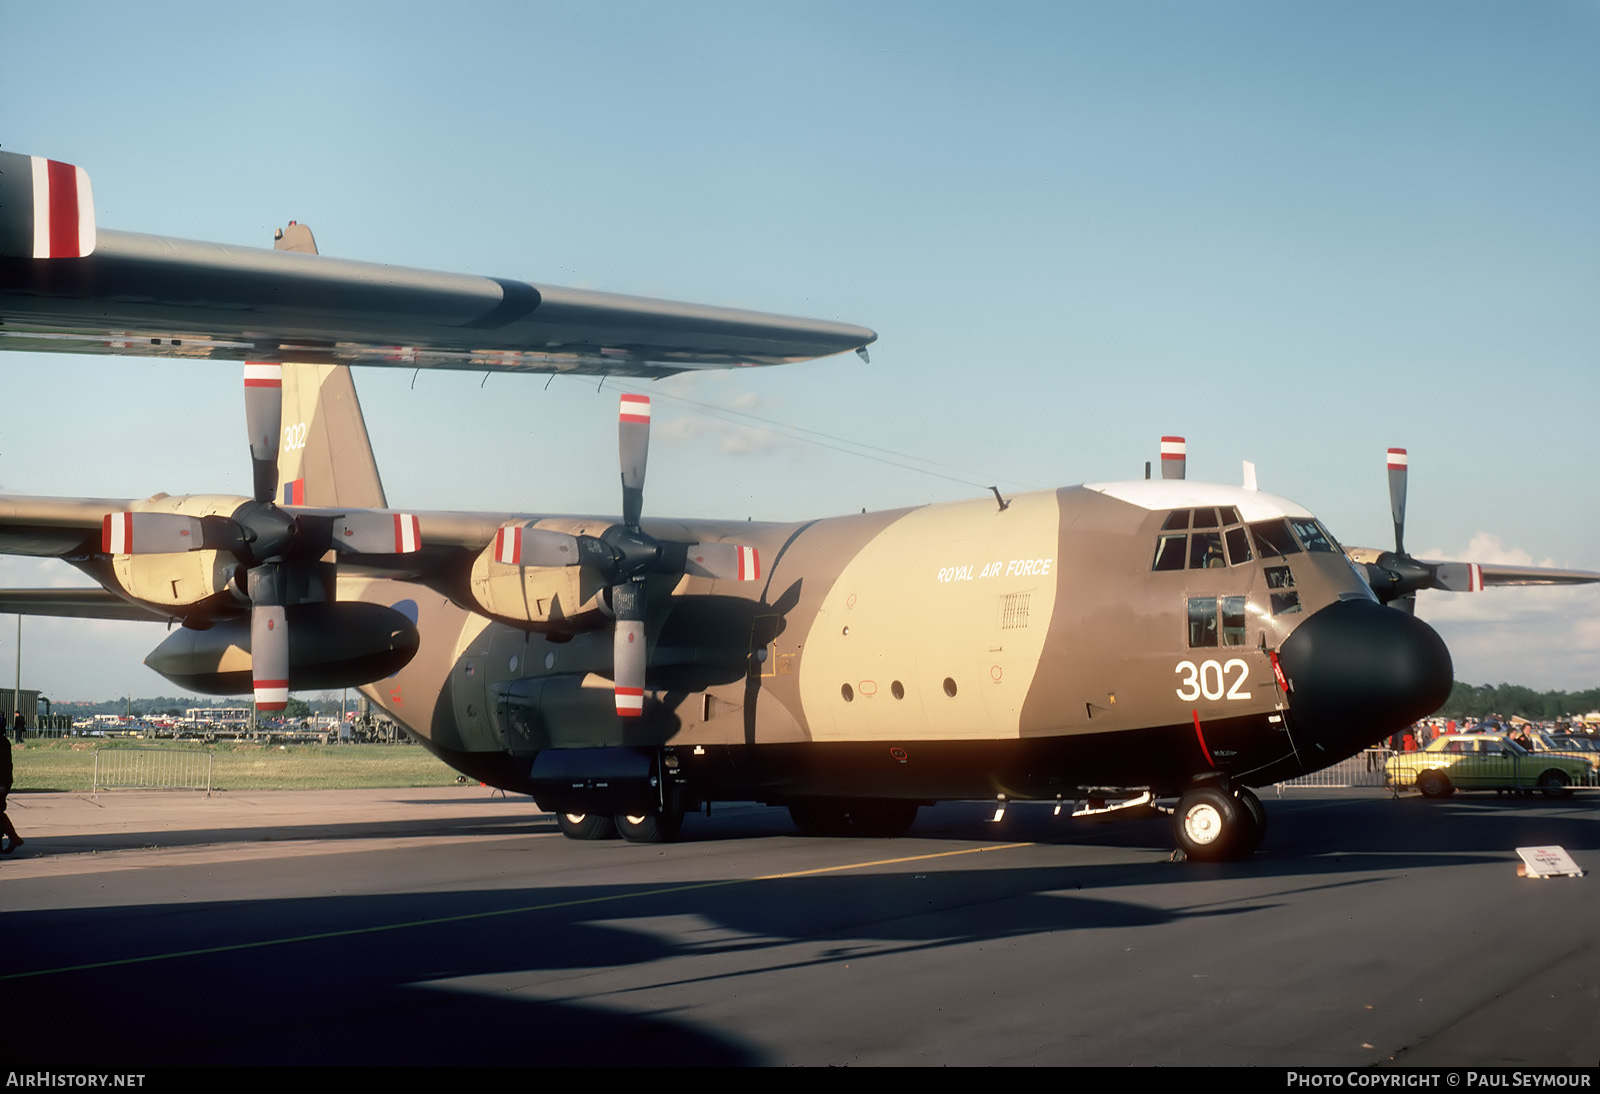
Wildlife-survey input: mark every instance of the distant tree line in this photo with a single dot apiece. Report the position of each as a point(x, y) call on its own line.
point(1481, 700)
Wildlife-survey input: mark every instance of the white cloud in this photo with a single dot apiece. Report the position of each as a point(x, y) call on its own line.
point(1544, 637)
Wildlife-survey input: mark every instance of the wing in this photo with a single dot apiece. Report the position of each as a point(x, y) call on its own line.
point(77, 604)
point(67, 286)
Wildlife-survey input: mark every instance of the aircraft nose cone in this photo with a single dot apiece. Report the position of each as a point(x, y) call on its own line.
point(1360, 671)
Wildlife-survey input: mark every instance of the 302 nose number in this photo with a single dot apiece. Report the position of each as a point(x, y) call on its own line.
point(1211, 679)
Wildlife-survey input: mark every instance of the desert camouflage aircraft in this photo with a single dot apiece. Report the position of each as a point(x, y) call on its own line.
point(1113, 643)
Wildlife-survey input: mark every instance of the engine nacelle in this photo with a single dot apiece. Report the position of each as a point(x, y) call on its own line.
point(331, 645)
point(180, 579)
point(541, 598)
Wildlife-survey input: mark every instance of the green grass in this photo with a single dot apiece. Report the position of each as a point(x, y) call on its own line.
point(68, 765)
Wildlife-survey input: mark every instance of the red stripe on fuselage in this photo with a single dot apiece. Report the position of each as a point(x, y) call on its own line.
point(1201, 737)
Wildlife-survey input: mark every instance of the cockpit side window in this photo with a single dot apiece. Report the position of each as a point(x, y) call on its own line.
point(1238, 546)
point(1273, 538)
point(1312, 535)
point(1202, 621)
point(1204, 618)
point(1169, 553)
point(1177, 521)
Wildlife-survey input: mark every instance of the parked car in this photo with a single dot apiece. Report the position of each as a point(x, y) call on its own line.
point(1485, 761)
point(1577, 748)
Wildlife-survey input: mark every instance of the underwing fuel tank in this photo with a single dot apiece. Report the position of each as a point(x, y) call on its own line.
point(331, 645)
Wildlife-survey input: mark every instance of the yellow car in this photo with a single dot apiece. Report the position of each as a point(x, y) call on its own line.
point(1484, 761)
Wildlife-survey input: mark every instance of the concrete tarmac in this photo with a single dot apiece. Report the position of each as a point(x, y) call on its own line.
point(455, 926)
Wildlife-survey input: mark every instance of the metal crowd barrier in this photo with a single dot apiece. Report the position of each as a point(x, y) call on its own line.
point(152, 769)
point(1365, 769)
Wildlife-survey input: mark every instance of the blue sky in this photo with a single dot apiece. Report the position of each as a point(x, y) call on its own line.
point(1295, 233)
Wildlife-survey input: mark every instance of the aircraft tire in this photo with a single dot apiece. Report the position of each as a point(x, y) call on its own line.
point(649, 827)
point(1434, 784)
point(586, 826)
point(1258, 819)
point(1211, 825)
point(1555, 784)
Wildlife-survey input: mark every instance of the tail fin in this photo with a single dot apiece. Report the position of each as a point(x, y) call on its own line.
point(325, 457)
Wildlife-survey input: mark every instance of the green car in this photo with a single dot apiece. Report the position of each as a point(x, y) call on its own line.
point(1484, 761)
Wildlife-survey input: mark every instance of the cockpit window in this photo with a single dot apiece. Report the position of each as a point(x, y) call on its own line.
point(1202, 621)
point(1312, 535)
point(1204, 617)
point(1177, 520)
point(1169, 553)
point(1238, 546)
point(1273, 538)
point(1205, 518)
point(1205, 551)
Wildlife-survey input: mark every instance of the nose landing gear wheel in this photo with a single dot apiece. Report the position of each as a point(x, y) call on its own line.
point(1212, 825)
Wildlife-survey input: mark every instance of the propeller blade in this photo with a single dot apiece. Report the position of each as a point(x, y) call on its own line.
point(376, 532)
point(1174, 457)
point(1397, 496)
point(723, 561)
point(633, 445)
point(1458, 577)
point(263, 415)
point(269, 656)
point(525, 545)
point(628, 648)
point(149, 533)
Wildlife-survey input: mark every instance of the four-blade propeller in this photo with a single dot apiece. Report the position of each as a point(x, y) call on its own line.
point(278, 551)
point(622, 558)
point(1396, 576)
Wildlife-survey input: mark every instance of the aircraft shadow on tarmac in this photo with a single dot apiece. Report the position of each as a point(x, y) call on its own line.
point(377, 979)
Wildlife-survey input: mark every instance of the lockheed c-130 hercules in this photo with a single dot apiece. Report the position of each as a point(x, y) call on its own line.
point(1113, 643)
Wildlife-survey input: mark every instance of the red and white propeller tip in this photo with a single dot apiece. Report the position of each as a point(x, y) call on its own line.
point(1174, 457)
point(58, 221)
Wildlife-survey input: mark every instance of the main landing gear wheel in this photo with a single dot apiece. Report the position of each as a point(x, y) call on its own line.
point(853, 816)
point(1434, 784)
point(1212, 825)
point(649, 827)
point(585, 826)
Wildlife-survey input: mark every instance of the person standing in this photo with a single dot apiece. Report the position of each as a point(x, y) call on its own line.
point(7, 829)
